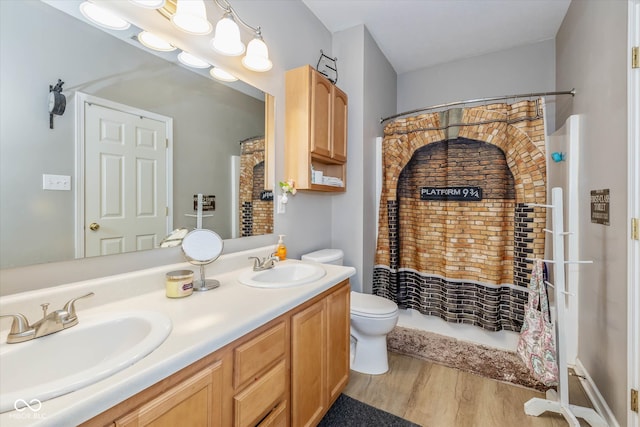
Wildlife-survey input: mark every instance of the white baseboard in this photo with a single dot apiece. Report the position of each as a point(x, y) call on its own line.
point(597, 400)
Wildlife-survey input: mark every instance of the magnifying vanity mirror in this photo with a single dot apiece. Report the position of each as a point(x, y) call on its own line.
point(202, 247)
point(215, 142)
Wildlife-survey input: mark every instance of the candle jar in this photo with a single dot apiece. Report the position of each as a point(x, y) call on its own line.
point(179, 283)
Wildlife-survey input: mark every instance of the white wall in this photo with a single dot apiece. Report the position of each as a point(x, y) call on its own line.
point(591, 48)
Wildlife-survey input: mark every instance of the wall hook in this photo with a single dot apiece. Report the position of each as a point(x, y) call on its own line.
point(57, 101)
point(558, 157)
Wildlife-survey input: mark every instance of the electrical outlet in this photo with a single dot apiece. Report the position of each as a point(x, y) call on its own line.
point(56, 182)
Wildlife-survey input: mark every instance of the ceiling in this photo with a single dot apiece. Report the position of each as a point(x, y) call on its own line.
point(415, 34)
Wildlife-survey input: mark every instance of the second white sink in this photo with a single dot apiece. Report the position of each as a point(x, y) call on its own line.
point(283, 275)
point(47, 367)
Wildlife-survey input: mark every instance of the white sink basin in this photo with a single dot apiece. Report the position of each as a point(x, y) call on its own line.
point(282, 275)
point(43, 368)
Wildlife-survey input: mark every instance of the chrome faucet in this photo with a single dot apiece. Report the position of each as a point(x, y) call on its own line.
point(50, 323)
point(264, 263)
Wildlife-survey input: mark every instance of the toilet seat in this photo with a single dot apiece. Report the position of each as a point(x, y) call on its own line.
point(372, 306)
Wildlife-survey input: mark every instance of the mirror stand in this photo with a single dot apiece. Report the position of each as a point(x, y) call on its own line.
point(204, 284)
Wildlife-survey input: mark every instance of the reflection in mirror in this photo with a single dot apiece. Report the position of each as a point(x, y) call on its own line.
point(41, 44)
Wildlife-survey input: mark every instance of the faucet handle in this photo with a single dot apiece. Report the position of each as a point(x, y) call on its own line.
point(20, 329)
point(20, 323)
point(70, 307)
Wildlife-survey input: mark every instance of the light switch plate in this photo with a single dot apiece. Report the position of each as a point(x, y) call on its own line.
point(56, 182)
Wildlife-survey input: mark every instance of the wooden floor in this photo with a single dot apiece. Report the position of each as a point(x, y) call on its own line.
point(433, 395)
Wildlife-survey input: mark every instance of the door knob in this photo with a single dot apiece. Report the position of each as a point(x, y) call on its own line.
point(94, 226)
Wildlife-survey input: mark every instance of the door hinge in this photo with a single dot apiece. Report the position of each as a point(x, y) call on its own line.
point(634, 400)
point(166, 143)
point(635, 228)
point(166, 211)
point(635, 54)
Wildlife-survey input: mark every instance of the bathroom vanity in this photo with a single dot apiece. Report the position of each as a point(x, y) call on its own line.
point(236, 356)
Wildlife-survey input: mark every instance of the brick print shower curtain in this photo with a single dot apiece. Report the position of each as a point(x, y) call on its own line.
point(456, 231)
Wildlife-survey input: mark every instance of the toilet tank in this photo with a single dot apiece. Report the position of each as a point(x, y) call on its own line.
point(325, 256)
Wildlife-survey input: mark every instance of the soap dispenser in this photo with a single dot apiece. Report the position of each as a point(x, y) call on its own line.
point(281, 249)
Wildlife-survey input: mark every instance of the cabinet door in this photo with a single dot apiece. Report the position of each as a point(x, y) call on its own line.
point(338, 341)
point(308, 366)
point(339, 128)
point(321, 100)
point(194, 402)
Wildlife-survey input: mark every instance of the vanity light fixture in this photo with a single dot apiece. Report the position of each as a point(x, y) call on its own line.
point(103, 17)
point(154, 42)
point(227, 40)
point(191, 17)
point(192, 61)
point(220, 74)
point(149, 4)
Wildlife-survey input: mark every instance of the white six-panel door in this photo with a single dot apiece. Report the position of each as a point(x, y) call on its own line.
point(125, 181)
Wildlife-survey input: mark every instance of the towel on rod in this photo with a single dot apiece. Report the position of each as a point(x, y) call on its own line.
point(536, 346)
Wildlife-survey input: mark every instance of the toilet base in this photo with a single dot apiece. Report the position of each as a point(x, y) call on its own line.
point(370, 355)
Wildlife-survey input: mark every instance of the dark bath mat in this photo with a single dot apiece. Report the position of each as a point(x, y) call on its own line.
point(349, 412)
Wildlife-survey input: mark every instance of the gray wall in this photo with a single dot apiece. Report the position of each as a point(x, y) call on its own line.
point(209, 119)
point(369, 79)
point(592, 56)
point(525, 69)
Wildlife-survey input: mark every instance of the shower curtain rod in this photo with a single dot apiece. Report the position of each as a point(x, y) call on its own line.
point(571, 92)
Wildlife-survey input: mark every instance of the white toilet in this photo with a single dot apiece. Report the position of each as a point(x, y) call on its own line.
point(372, 318)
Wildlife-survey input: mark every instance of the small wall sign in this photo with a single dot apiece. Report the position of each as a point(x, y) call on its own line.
point(600, 207)
point(266, 196)
point(461, 194)
point(208, 203)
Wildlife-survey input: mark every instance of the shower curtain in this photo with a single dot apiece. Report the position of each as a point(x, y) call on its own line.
point(457, 230)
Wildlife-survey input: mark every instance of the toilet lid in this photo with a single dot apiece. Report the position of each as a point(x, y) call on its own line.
point(371, 305)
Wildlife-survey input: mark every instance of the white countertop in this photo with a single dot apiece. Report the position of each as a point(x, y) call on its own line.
point(202, 323)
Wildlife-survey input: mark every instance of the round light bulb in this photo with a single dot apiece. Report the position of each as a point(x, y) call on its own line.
point(154, 42)
point(149, 4)
point(220, 74)
point(192, 61)
point(103, 17)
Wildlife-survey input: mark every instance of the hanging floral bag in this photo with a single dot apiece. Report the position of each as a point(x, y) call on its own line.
point(536, 345)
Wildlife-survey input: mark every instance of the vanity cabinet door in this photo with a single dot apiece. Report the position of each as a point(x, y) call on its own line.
point(308, 365)
point(194, 402)
point(320, 337)
point(338, 341)
point(321, 108)
point(339, 128)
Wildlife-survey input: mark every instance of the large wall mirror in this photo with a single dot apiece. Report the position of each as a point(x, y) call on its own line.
point(216, 133)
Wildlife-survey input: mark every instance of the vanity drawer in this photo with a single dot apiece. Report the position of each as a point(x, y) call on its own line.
point(258, 354)
point(277, 417)
point(260, 398)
